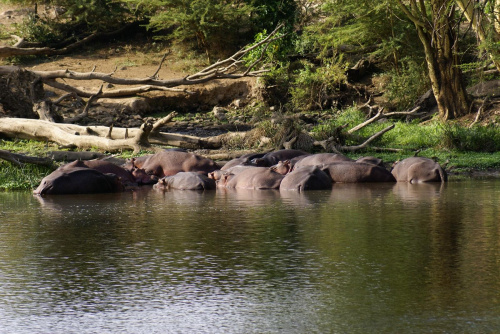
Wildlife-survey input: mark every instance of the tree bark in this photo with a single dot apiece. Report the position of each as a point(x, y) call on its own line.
point(440, 47)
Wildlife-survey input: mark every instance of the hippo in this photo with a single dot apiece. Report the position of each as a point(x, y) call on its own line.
point(320, 159)
point(243, 160)
point(371, 160)
point(186, 181)
point(306, 178)
point(253, 178)
point(171, 162)
point(418, 169)
point(282, 167)
point(272, 158)
point(353, 172)
point(134, 176)
point(217, 174)
point(79, 180)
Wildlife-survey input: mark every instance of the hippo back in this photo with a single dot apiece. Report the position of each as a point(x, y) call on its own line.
point(243, 160)
point(306, 178)
point(272, 158)
point(166, 163)
point(321, 159)
point(78, 180)
point(418, 169)
point(255, 178)
point(186, 181)
point(354, 172)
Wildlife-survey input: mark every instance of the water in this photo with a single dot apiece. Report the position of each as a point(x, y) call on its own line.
point(358, 259)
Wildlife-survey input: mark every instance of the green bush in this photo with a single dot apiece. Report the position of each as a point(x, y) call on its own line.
point(314, 87)
point(40, 30)
point(406, 83)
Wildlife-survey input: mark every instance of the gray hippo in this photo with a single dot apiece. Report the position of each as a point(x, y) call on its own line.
point(371, 160)
point(245, 159)
point(218, 174)
point(306, 178)
point(78, 180)
point(253, 178)
point(171, 162)
point(418, 169)
point(272, 158)
point(320, 159)
point(354, 172)
point(186, 181)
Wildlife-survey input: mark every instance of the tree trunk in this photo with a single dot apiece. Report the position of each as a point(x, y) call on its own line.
point(439, 41)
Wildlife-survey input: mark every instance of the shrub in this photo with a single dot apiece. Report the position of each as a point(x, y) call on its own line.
point(407, 83)
point(314, 87)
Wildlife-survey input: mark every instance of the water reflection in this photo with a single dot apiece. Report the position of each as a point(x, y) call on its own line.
point(357, 259)
point(417, 192)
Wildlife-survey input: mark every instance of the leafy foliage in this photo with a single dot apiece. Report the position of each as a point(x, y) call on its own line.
point(312, 87)
point(75, 17)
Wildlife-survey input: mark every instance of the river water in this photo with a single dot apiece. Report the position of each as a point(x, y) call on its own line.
point(358, 259)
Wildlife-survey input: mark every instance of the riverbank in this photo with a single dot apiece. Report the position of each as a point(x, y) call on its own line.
point(458, 164)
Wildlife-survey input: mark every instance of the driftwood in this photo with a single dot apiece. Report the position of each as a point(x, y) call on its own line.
point(118, 139)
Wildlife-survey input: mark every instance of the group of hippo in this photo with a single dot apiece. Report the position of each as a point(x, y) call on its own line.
point(282, 169)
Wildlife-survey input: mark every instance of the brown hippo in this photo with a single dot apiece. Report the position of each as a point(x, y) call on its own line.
point(244, 160)
point(306, 178)
point(282, 167)
point(186, 181)
point(171, 162)
point(320, 159)
point(353, 172)
point(134, 176)
point(272, 158)
point(418, 169)
point(253, 178)
point(78, 180)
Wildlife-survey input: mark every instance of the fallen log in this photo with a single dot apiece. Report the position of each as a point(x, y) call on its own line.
point(20, 159)
point(86, 137)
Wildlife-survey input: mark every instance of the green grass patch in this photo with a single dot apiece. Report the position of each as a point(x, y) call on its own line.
point(21, 178)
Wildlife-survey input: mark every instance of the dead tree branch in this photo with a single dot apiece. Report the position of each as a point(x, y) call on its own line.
point(368, 141)
point(380, 114)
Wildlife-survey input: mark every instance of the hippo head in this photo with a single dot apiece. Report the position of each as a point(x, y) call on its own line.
point(115, 182)
point(141, 177)
point(161, 184)
point(259, 162)
point(282, 167)
point(216, 174)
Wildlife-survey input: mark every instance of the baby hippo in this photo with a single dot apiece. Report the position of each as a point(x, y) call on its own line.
point(186, 181)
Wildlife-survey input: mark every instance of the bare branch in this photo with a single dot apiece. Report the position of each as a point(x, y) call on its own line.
point(85, 111)
point(368, 141)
